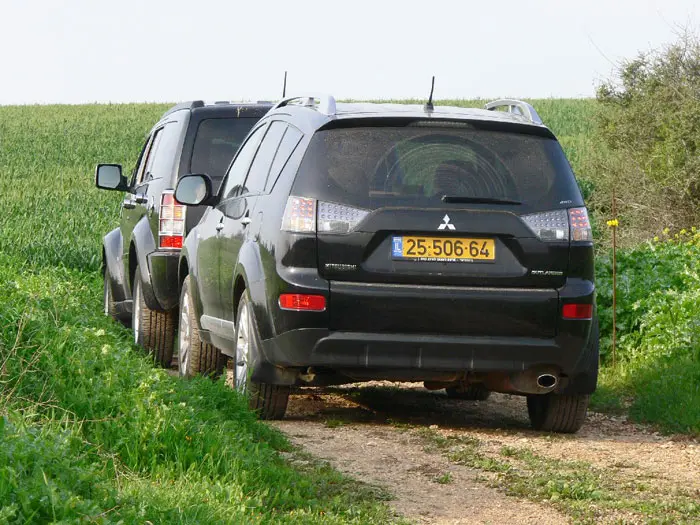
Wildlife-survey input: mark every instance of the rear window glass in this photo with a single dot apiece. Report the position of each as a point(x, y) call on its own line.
point(374, 167)
point(215, 144)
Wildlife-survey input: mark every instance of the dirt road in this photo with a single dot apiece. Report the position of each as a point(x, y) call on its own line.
point(450, 461)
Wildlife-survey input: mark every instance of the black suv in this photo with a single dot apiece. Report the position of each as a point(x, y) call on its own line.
point(356, 242)
point(140, 257)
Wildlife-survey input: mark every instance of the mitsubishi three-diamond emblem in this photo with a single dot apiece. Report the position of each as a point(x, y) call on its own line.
point(446, 224)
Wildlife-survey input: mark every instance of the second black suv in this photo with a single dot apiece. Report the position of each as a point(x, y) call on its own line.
point(355, 242)
point(140, 257)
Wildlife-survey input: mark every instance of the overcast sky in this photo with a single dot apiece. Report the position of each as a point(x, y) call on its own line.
point(75, 51)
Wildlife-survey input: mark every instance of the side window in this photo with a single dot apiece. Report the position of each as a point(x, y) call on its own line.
point(147, 160)
point(163, 158)
point(239, 169)
point(255, 183)
point(137, 174)
point(290, 141)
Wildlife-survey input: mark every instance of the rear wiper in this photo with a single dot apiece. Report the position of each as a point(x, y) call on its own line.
point(476, 200)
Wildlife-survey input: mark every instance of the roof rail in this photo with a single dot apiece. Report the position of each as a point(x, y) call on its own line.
point(518, 107)
point(322, 103)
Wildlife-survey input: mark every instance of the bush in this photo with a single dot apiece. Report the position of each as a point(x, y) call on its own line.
point(649, 125)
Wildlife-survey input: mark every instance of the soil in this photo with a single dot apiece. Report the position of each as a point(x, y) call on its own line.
point(360, 430)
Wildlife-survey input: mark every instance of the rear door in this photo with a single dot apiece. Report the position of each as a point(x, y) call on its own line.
point(135, 202)
point(421, 229)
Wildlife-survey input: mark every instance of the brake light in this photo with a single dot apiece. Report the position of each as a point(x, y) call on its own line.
point(577, 311)
point(302, 215)
point(302, 302)
point(560, 225)
point(171, 223)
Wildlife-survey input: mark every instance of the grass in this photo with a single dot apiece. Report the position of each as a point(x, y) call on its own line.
point(586, 493)
point(91, 431)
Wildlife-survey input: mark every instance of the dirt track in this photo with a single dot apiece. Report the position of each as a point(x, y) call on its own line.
point(376, 433)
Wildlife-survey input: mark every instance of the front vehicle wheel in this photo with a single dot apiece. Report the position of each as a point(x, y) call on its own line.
point(194, 356)
point(153, 330)
point(269, 401)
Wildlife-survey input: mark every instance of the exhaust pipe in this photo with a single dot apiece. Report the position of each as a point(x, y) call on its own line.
point(547, 381)
point(527, 382)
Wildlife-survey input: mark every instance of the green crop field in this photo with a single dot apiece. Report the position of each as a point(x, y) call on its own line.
point(91, 429)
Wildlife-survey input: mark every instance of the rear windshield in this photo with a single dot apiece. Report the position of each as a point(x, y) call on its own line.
point(216, 142)
point(373, 167)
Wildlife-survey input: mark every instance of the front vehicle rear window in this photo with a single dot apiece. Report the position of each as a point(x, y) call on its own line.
point(215, 144)
point(373, 167)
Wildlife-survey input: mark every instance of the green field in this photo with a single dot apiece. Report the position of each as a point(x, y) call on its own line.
point(90, 428)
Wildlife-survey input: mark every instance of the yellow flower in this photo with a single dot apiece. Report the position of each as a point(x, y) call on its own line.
point(613, 223)
point(656, 239)
point(666, 231)
point(693, 229)
point(683, 231)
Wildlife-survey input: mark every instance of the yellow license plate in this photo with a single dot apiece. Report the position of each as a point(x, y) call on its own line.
point(443, 249)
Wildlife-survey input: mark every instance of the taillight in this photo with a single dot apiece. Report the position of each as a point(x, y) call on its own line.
point(172, 222)
point(580, 225)
point(302, 302)
point(560, 225)
point(338, 218)
point(577, 311)
point(302, 215)
point(299, 215)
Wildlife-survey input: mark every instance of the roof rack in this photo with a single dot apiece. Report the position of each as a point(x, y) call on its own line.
point(184, 105)
point(517, 107)
point(322, 103)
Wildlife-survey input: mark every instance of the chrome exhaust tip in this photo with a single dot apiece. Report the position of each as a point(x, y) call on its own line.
point(547, 381)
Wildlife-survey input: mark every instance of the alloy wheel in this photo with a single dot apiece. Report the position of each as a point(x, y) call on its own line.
point(183, 355)
point(242, 348)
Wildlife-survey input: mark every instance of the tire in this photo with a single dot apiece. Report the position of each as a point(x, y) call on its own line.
point(475, 392)
point(153, 330)
point(557, 413)
point(194, 356)
point(268, 401)
point(109, 307)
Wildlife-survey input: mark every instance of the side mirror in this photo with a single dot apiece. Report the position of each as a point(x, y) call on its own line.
point(109, 177)
point(194, 190)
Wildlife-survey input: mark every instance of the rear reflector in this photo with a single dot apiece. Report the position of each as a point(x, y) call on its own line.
point(302, 302)
point(577, 311)
point(171, 228)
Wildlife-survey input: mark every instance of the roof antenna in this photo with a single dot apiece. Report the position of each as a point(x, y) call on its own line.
point(429, 105)
point(284, 86)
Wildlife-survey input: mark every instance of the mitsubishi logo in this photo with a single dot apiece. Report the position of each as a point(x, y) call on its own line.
point(446, 224)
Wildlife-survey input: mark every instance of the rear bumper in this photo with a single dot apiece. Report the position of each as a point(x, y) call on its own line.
point(363, 355)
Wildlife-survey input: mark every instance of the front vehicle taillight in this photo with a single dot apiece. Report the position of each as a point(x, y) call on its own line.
point(171, 227)
point(560, 225)
point(303, 215)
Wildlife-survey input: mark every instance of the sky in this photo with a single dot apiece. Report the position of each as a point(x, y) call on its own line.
point(83, 51)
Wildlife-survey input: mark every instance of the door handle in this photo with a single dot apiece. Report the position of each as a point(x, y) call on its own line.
point(141, 199)
point(128, 203)
point(245, 221)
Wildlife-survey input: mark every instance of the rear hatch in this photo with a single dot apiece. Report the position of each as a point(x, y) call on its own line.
point(441, 227)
